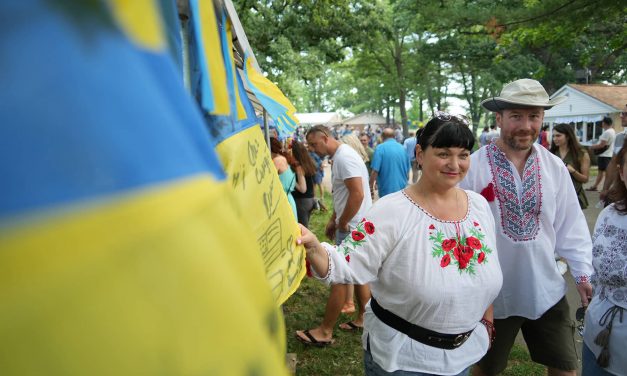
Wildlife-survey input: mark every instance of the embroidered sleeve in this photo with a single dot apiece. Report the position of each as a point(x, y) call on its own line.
point(328, 248)
point(582, 279)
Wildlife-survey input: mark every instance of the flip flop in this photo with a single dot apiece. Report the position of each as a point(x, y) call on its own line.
point(312, 340)
point(350, 327)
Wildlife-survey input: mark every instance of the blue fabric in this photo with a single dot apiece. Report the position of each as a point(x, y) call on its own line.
point(589, 365)
point(223, 127)
point(200, 73)
point(85, 113)
point(410, 148)
point(319, 171)
point(392, 165)
point(172, 24)
point(288, 181)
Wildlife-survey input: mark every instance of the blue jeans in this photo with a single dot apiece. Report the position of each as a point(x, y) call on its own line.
point(373, 369)
point(340, 236)
point(590, 366)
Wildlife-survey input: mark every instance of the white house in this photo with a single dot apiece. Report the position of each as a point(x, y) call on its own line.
point(586, 106)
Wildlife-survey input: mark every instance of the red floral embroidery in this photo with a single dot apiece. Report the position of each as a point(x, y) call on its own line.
point(464, 252)
point(473, 242)
point(348, 258)
point(448, 244)
point(357, 236)
point(445, 260)
point(488, 192)
point(369, 227)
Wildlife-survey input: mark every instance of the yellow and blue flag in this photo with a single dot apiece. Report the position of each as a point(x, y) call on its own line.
point(255, 186)
point(117, 236)
point(280, 109)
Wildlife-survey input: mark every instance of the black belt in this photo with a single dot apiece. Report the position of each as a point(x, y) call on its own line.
point(415, 332)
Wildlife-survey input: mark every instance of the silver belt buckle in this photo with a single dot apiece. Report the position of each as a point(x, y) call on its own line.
point(459, 339)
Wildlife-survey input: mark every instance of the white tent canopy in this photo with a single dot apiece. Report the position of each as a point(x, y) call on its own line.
point(366, 118)
point(315, 118)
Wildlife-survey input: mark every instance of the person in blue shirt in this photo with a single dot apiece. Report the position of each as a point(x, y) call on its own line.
point(390, 165)
point(410, 149)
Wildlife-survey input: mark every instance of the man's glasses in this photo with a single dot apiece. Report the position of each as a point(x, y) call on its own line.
point(580, 315)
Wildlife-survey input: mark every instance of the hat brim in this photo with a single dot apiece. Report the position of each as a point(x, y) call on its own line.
point(496, 104)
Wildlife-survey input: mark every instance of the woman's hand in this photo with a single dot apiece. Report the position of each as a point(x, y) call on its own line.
point(571, 169)
point(307, 238)
point(316, 254)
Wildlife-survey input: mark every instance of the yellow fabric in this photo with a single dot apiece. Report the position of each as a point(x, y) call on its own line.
point(141, 21)
point(287, 118)
point(241, 112)
point(259, 197)
point(213, 57)
point(161, 281)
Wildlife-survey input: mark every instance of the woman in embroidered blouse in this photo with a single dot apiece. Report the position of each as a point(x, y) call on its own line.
point(429, 254)
point(605, 331)
point(576, 158)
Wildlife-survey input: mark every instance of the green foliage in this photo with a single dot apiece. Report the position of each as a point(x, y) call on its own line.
point(378, 55)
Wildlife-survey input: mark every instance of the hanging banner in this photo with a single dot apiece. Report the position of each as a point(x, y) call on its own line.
point(271, 98)
point(256, 189)
point(121, 251)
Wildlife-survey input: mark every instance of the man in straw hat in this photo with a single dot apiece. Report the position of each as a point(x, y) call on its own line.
point(537, 214)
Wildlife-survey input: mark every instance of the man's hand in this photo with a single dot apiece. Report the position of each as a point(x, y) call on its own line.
point(330, 229)
point(585, 292)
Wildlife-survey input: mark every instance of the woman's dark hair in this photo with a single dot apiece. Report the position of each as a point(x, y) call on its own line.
point(276, 147)
point(618, 193)
point(301, 155)
point(574, 148)
point(445, 131)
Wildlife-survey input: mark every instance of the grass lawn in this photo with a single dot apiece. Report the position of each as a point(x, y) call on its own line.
point(305, 309)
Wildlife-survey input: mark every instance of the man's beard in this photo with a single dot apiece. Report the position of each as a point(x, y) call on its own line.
point(518, 145)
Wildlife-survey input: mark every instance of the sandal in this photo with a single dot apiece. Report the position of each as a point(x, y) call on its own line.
point(351, 327)
point(312, 341)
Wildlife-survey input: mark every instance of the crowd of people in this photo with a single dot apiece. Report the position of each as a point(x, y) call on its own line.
point(451, 264)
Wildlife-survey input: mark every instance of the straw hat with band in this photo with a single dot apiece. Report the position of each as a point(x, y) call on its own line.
point(523, 93)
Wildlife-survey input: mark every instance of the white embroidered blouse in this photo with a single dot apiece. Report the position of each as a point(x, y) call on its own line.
point(610, 286)
point(441, 275)
point(536, 214)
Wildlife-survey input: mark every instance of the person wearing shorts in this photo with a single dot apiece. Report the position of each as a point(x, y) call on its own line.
point(351, 201)
point(550, 340)
point(606, 141)
point(537, 214)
